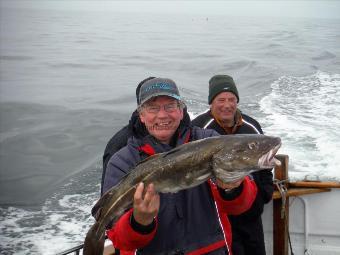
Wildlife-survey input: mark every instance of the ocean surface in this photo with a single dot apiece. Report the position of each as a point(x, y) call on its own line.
point(68, 73)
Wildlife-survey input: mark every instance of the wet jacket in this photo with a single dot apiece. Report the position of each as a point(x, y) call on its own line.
point(188, 222)
point(247, 227)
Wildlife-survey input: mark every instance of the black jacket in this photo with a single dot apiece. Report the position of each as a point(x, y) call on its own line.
point(247, 228)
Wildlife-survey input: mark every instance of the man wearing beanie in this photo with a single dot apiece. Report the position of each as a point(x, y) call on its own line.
point(225, 117)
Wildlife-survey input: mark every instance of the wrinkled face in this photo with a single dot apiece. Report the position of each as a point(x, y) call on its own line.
point(161, 116)
point(224, 107)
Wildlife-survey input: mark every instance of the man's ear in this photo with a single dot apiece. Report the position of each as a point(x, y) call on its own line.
point(141, 117)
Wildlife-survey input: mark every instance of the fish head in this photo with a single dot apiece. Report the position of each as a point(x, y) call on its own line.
point(240, 155)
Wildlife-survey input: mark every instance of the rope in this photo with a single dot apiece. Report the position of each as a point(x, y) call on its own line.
point(281, 187)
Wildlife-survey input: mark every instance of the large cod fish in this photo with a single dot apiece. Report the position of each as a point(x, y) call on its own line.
point(228, 158)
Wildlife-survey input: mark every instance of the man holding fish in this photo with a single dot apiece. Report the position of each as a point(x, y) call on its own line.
point(171, 203)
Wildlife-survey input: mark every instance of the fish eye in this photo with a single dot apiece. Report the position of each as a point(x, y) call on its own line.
point(252, 145)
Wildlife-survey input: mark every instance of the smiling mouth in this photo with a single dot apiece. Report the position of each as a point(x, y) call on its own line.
point(227, 112)
point(161, 126)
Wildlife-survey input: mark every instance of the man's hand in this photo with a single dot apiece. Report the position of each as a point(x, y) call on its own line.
point(145, 206)
point(230, 185)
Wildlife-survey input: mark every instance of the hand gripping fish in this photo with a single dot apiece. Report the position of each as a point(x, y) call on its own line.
point(226, 157)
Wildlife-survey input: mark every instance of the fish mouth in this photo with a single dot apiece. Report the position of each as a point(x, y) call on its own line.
point(268, 160)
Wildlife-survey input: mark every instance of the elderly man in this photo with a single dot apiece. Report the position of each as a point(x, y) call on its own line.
point(186, 222)
point(225, 117)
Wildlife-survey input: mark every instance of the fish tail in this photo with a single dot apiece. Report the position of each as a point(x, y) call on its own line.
point(94, 241)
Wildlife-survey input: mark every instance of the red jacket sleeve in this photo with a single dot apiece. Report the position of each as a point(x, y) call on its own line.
point(240, 204)
point(125, 238)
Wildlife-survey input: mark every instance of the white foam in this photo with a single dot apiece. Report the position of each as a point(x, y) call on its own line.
point(304, 112)
point(51, 230)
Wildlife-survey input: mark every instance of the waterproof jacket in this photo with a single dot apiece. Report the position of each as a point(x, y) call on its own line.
point(247, 227)
point(188, 222)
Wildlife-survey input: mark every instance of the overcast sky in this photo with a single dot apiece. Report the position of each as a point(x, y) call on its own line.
point(292, 8)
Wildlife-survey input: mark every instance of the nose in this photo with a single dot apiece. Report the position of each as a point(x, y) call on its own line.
point(162, 112)
point(226, 104)
point(229, 104)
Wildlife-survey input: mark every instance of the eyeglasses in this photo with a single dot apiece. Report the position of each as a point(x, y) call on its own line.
point(169, 108)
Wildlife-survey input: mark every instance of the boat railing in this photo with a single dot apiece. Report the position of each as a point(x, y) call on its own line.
point(75, 250)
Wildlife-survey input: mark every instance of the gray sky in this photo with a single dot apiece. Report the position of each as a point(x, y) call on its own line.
point(275, 8)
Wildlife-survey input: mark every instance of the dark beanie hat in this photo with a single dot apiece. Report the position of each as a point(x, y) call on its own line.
point(221, 83)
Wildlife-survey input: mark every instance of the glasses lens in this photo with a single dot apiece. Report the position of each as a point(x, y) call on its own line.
point(156, 108)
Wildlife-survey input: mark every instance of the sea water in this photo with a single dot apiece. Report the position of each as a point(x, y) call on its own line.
point(68, 73)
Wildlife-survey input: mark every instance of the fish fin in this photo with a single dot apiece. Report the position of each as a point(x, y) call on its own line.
point(171, 152)
point(163, 155)
point(148, 158)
